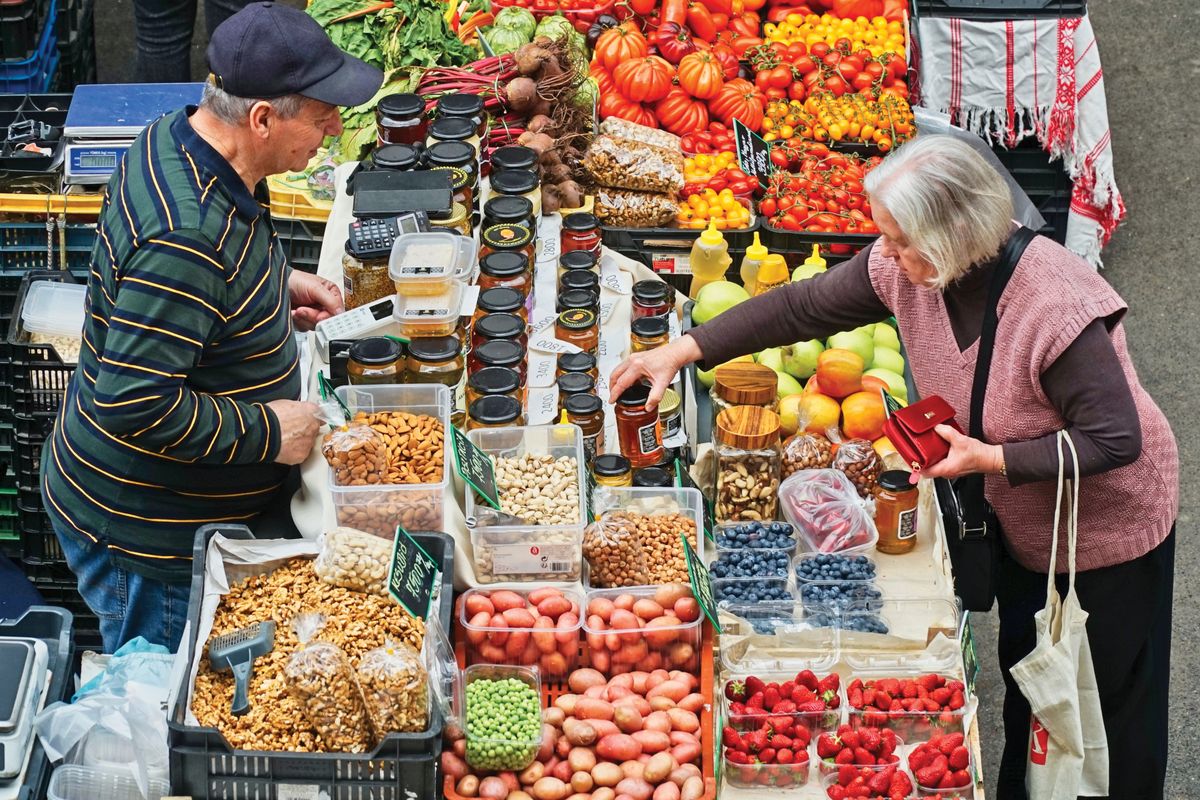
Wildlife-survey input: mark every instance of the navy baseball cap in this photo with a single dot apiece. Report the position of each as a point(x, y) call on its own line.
point(269, 50)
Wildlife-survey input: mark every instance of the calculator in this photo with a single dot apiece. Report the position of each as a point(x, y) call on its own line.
point(373, 238)
point(356, 323)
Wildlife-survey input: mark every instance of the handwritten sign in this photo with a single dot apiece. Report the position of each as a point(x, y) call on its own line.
point(701, 583)
point(542, 367)
point(684, 478)
point(413, 576)
point(753, 153)
point(542, 406)
point(614, 284)
point(475, 467)
point(549, 344)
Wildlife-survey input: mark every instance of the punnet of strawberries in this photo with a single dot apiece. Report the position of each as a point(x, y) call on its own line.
point(882, 699)
point(774, 754)
point(941, 763)
point(807, 697)
point(890, 782)
point(865, 747)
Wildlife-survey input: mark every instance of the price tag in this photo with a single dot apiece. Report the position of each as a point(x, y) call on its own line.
point(607, 308)
point(533, 558)
point(470, 300)
point(602, 387)
point(548, 344)
point(548, 248)
point(413, 576)
point(542, 367)
point(701, 583)
point(684, 478)
point(542, 325)
point(753, 153)
point(614, 284)
point(475, 467)
point(671, 263)
point(542, 406)
point(673, 328)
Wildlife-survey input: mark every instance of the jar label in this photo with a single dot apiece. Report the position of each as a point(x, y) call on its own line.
point(347, 284)
point(591, 446)
point(549, 344)
point(906, 524)
point(513, 559)
point(672, 425)
point(648, 441)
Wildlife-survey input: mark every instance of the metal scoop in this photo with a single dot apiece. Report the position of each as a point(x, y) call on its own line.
point(236, 651)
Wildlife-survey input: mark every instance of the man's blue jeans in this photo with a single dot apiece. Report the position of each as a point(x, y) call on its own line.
point(164, 35)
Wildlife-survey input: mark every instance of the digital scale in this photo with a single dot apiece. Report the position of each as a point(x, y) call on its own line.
point(104, 119)
point(23, 665)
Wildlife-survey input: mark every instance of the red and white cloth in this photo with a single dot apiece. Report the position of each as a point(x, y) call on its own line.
point(1008, 80)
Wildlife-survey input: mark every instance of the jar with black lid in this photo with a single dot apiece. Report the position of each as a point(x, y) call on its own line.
point(578, 362)
point(579, 279)
point(499, 353)
point(580, 231)
point(504, 210)
point(519, 183)
point(647, 333)
point(375, 360)
point(499, 327)
point(651, 299)
point(578, 326)
point(493, 381)
point(396, 156)
point(503, 268)
point(587, 412)
point(579, 298)
point(610, 469)
point(500, 300)
point(465, 106)
point(507, 239)
point(653, 477)
point(400, 119)
point(452, 129)
point(494, 411)
point(435, 359)
point(572, 383)
point(578, 259)
point(514, 156)
point(461, 160)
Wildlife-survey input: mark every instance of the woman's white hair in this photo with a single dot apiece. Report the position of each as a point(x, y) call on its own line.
point(947, 199)
point(233, 110)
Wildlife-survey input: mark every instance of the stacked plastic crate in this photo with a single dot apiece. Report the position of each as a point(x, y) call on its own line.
point(28, 45)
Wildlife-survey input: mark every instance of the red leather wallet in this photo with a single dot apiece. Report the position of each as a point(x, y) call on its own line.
point(912, 432)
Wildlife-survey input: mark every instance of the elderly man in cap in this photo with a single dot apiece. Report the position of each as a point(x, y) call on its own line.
point(185, 409)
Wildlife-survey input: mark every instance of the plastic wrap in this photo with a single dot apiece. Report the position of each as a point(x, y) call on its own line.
point(356, 453)
point(622, 208)
point(862, 465)
point(806, 451)
point(624, 129)
point(395, 689)
point(628, 164)
point(354, 560)
point(827, 512)
point(613, 549)
point(321, 680)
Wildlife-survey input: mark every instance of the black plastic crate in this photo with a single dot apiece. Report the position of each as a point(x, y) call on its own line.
point(39, 376)
point(21, 26)
point(26, 246)
point(76, 44)
point(28, 460)
point(1055, 209)
point(1032, 168)
point(301, 242)
point(30, 68)
point(996, 10)
point(204, 766)
point(796, 246)
point(63, 594)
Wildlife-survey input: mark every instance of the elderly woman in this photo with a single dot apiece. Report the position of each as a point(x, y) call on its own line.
point(1060, 362)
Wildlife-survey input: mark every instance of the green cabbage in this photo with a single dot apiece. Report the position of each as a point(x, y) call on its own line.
point(504, 40)
point(555, 27)
point(515, 18)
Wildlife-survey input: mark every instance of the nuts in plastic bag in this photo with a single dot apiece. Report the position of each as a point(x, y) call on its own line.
point(320, 678)
point(862, 465)
point(626, 164)
point(354, 560)
point(622, 208)
point(829, 516)
point(356, 453)
point(624, 129)
point(395, 689)
point(806, 450)
point(612, 546)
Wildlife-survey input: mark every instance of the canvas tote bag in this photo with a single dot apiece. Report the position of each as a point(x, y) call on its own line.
point(1068, 748)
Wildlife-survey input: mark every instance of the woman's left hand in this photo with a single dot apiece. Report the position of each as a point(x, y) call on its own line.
point(313, 299)
point(966, 456)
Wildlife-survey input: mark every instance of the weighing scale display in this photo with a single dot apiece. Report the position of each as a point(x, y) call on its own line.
point(98, 161)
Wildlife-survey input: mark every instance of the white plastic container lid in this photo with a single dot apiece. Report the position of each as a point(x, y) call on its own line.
point(54, 307)
point(72, 782)
point(407, 265)
point(429, 309)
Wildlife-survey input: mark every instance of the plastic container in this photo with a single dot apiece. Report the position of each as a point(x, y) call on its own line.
point(751, 590)
point(827, 766)
point(418, 275)
point(54, 308)
point(72, 782)
point(613, 652)
point(765, 777)
point(429, 315)
point(774, 637)
point(912, 726)
point(555, 652)
point(378, 509)
point(521, 752)
point(611, 505)
point(38, 374)
point(829, 602)
point(506, 552)
point(817, 722)
point(912, 622)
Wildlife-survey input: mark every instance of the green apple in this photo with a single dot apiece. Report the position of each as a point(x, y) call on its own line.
point(772, 357)
point(889, 360)
point(897, 388)
point(856, 341)
point(805, 271)
point(869, 330)
point(787, 385)
point(717, 298)
point(800, 359)
point(886, 336)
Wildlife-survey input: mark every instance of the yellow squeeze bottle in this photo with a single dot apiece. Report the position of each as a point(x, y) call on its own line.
point(771, 275)
point(812, 265)
point(752, 262)
point(709, 259)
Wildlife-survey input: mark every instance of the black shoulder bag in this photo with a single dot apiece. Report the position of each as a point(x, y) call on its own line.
point(972, 529)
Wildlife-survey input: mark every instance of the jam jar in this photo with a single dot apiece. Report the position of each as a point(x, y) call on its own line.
point(578, 260)
point(493, 381)
point(495, 411)
point(638, 428)
point(499, 354)
point(507, 238)
point(465, 106)
point(647, 333)
point(459, 220)
point(499, 327)
point(579, 279)
point(653, 477)
point(651, 299)
point(578, 362)
point(502, 210)
point(587, 411)
point(514, 156)
point(451, 129)
point(501, 300)
point(365, 279)
point(670, 414)
point(579, 298)
point(573, 383)
point(460, 160)
point(519, 183)
point(579, 327)
point(610, 469)
point(435, 359)
point(505, 268)
point(400, 119)
point(375, 360)
point(580, 231)
point(396, 156)
point(896, 513)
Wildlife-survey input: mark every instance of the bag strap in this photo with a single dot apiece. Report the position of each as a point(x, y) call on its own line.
point(1072, 486)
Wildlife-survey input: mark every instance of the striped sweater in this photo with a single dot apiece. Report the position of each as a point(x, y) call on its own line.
point(187, 335)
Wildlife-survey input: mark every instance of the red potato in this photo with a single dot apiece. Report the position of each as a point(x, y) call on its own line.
point(614, 693)
point(644, 759)
point(518, 618)
point(595, 638)
point(499, 636)
point(673, 689)
point(666, 791)
point(493, 788)
point(554, 606)
point(568, 629)
point(686, 753)
point(604, 728)
point(569, 649)
point(624, 601)
point(654, 660)
point(638, 680)
point(632, 653)
point(549, 740)
point(624, 797)
point(682, 720)
point(553, 664)
point(519, 795)
point(583, 679)
point(683, 737)
point(687, 609)
point(591, 708)
point(693, 789)
point(659, 768)
point(637, 788)
point(662, 631)
point(647, 609)
point(634, 768)
point(662, 703)
point(478, 620)
point(657, 721)
point(554, 716)
point(562, 748)
point(618, 747)
point(454, 766)
point(607, 774)
point(582, 782)
point(510, 780)
point(656, 677)
point(604, 793)
point(459, 747)
point(550, 789)
point(504, 600)
point(627, 718)
point(580, 796)
point(694, 703)
point(601, 607)
point(574, 609)
point(623, 682)
point(538, 595)
point(601, 660)
point(581, 759)
point(561, 771)
point(669, 594)
point(552, 763)
point(530, 655)
point(476, 603)
point(682, 773)
point(567, 703)
point(686, 678)
point(516, 643)
point(683, 655)
point(623, 619)
point(652, 741)
point(468, 786)
point(639, 703)
point(491, 654)
point(595, 692)
point(579, 734)
point(544, 642)
point(533, 773)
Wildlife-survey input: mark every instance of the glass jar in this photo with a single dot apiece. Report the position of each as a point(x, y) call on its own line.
point(506, 269)
point(647, 333)
point(396, 156)
point(579, 298)
point(896, 513)
point(748, 463)
point(401, 119)
point(514, 156)
point(610, 469)
point(637, 428)
point(571, 384)
point(465, 106)
point(493, 381)
point(579, 327)
point(435, 359)
point(497, 328)
point(670, 456)
point(452, 129)
point(499, 354)
point(501, 210)
point(496, 411)
point(653, 477)
point(459, 221)
point(364, 280)
point(507, 239)
point(651, 299)
point(519, 183)
point(578, 259)
point(587, 411)
point(580, 231)
point(461, 161)
point(375, 360)
point(744, 384)
point(578, 362)
point(670, 414)
point(501, 300)
point(574, 279)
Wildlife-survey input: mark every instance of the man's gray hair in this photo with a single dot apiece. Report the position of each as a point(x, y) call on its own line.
point(233, 110)
point(949, 202)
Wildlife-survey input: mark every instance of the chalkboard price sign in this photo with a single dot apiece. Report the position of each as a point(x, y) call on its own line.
point(413, 575)
point(701, 583)
point(475, 467)
point(753, 153)
point(684, 478)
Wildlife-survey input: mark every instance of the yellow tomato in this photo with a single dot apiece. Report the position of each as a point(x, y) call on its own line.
point(769, 137)
point(731, 206)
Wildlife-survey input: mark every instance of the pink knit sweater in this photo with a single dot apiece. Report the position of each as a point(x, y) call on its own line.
point(1052, 296)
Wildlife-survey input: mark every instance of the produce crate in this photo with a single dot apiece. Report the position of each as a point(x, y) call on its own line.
point(48, 109)
point(996, 10)
point(35, 72)
point(666, 250)
point(39, 376)
point(28, 246)
point(76, 44)
point(204, 766)
point(796, 246)
point(1055, 209)
point(77, 204)
point(301, 242)
point(63, 594)
point(21, 26)
point(39, 543)
point(289, 201)
point(1045, 182)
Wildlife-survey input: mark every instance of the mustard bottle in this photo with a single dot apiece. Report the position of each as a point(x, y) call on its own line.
point(813, 265)
point(709, 259)
point(771, 275)
point(752, 262)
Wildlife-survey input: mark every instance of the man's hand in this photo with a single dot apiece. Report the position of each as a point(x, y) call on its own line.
point(313, 299)
point(298, 426)
point(966, 456)
point(660, 365)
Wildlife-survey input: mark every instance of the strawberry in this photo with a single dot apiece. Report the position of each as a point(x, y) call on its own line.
point(882, 699)
point(931, 682)
point(834, 702)
point(959, 758)
point(947, 744)
point(863, 756)
point(919, 758)
point(941, 696)
point(855, 697)
point(836, 792)
point(828, 745)
point(931, 705)
point(808, 679)
point(811, 707)
point(870, 740)
point(771, 697)
point(846, 774)
point(961, 777)
point(781, 724)
point(756, 701)
point(947, 781)
point(957, 701)
point(754, 685)
point(786, 688)
point(779, 741)
point(756, 740)
point(880, 782)
point(930, 776)
point(731, 738)
point(784, 707)
point(910, 689)
point(737, 709)
point(829, 683)
point(801, 736)
point(737, 757)
point(901, 785)
point(852, 738)
point(767, 756)
point(868, 696)
point(785, 756)
point(802, 694)
point(956, 686)
point(889, 739)
point(844, 756)
point(735, 690)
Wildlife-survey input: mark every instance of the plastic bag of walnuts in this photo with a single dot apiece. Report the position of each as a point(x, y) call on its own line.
point(628, 164)
point(395, 689)
point(862, 465)
point(353, 560)
point(623, 208)
point(321, 680)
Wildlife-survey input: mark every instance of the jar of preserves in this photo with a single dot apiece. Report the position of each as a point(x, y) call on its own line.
point(458, 222)
point(461, 161)
point(653, 477)
point(896, 513)
point(375, 360)
point(670, 414)
point(748, 463)
point(574, 279)
point(610, 469)
point(578, 326)
point(465, 106)
point(396, 156)
point(514, 156)
point(451, 129)
point(651, 299)
point(744, 384)
point(505, 268)
point(501, 300)
point(493, 381)
point(647, 333)
point(501, 210)
point(573, 383)
point(580, 231)
point(637, 428)
point(495, 411)
point(435, 359)
point(400, 119)
point(507, 239)
point(578, 362)
point(587, 411)
point(365, 280)
point(499, 354)
point(579, 298)
point(519, 183)
point(578, 259)
point(499, 327)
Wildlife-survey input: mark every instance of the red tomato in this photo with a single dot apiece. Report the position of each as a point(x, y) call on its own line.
point(768, 207)
point(780, 77)
point(805, 65)
point(861, 81)
point(819, 49)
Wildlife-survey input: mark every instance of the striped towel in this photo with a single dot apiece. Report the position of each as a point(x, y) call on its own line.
point(1008, 80)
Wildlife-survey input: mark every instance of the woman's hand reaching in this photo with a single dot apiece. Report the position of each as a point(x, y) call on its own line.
point(966, 456)
point(659, 366)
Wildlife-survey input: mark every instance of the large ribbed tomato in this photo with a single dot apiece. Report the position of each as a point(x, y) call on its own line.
point(680, 114)
point(644, 80)
point(622, 43)
point(614, 105)
point(701, 75)
point(738, 99)
point(603, 78)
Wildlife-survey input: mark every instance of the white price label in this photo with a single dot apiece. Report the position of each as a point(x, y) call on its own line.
point(542, 325)
point(542, 406)
point(607, 309)
point(673, 326)
point(602, 387)
point(514, 559)
point(542, 367)
point(548, 344)
point(470, 301)
point(548, 249)
point(606, 346)
point(614, 284)
point(671, 263)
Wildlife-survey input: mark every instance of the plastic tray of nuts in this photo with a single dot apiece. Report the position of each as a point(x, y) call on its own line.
point(636, 538)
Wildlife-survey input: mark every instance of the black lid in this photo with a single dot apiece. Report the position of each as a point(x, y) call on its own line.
point(653, 477)
point(504, 264)
point(507, 236)
point(499, 353)
point(396, 156)
point(575, 383)
point(508, 209)
point(579, 279)
point(515, 181)
point(495, 409)
point(578, 259)
point(580, 221)
point(610, 465)
point(896, 480)
point(649, 327)
point(500, 300)
point(582, 403)
point(460, 105)
point(450, 154)
point(578, 298)
point(650, 291)
point(375, 350)
point(577, 362)
point(514, 156)
point(434, 349)
point(494, 380)
point(577, 319)
point(635, 395)
point(402, 105)
point(500, 326)
point(454, 129)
